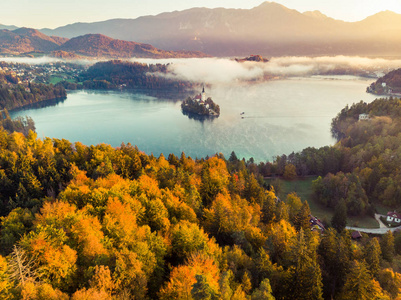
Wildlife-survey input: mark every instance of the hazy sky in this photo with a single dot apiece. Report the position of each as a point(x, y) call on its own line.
point(54, 13)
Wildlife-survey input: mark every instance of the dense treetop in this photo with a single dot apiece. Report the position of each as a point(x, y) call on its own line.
point(116, 74)
point(387, 84)
point(96, 222)
point(362, 168)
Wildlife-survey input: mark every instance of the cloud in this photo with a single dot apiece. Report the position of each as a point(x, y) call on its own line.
point(224, 70)
point(219, 70)
point(44, 60)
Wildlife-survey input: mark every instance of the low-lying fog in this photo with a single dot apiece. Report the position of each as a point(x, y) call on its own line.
point(280, 116)
point(225, 70)
point(220, 70)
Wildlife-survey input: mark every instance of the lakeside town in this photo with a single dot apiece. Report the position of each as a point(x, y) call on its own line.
point(41, 73)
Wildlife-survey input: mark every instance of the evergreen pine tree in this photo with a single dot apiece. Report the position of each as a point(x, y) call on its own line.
point(339, 219)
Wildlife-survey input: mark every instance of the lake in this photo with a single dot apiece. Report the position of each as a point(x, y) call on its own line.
point(280, 116)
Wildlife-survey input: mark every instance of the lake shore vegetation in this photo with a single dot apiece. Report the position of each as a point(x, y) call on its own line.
point(105, 223)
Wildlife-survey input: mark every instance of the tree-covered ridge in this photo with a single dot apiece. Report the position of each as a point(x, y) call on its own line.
point(388, 84)
point(102, 223)
point(18, 95)
point(28, 40)
point(14, 95)
point(362, 168)
point(98, 45)
point(118, 74)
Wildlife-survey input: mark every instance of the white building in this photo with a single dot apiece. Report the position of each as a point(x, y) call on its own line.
point(363, 117)
point(393, 217)
point(203, 94)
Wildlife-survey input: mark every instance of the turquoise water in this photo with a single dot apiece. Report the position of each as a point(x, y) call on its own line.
point(280, 117)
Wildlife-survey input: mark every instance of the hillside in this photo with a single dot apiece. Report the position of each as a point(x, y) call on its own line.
point(15, 94)
point(23, 40)
point(116, 74)
point(97, 45)
point(59, 40)
point(389, 84)
point(269, 29)
point(9, 27)
point(97, 222)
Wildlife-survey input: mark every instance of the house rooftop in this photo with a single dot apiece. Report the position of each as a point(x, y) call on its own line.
point(356, 235)
point(394, 214)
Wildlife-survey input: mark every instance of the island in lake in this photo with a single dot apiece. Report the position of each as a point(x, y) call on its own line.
point(256, 58)
point(200, 106)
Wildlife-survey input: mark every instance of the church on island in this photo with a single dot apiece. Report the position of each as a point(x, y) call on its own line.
point(201, 98)
point(200, 105)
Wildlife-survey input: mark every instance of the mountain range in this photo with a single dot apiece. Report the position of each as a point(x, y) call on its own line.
point(25, 40)
point(268, 29)
point(8, 27)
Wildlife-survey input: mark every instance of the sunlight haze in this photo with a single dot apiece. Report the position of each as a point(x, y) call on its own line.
point(51, 14)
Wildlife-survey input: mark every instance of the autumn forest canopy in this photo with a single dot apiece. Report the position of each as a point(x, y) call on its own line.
point(96, 222)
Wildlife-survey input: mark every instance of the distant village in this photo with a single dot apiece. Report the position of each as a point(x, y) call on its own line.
point(42, 73)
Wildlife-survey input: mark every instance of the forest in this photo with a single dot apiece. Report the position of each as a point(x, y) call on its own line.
point(116, 74)
point(388, 84)
point(96, 222)
point(361, 169)
point(19, 124)
point(18, 95)
point(14, 95)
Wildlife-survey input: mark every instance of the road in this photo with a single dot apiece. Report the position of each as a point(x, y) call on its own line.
point(382, 230)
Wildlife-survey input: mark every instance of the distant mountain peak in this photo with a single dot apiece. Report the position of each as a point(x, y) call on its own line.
point(30, 32)
point(94, 36)
point(316, 14)
point(273, 7)
point(384, 15)
point(9, 27)
point(26, 31)
point(270, 4)
point(99, 45)
point(268, 29)
point(25, 40)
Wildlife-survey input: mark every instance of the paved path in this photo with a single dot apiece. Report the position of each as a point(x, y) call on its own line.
point(372, 230)
point(381, 224)
point(382, 230)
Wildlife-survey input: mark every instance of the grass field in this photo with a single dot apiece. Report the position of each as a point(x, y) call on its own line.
point(57, 79)
point(303, 188)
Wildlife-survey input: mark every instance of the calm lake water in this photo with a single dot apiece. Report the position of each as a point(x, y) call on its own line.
point(280, 117)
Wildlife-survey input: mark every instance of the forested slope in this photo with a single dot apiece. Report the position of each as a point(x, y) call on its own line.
point(13, 94)
point(124, 75)
point(102, 223)
point(387, 84)
point(362, 168)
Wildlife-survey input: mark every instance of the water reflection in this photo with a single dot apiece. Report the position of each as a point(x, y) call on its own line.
point(41, 104)
point(200, 118)
point(279, 117)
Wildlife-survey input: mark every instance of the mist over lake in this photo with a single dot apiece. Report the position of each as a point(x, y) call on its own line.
point(280, 116)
